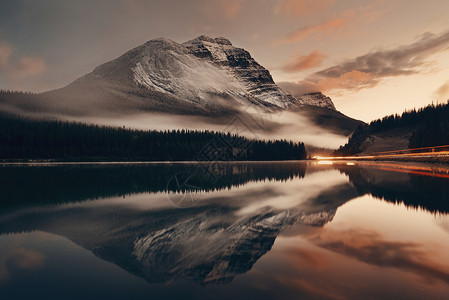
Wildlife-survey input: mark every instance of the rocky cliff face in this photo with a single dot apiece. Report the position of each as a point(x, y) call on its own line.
point(317, 99)
point(208, 249)
point(204, 76)
point(208, 245)
point(256, 79)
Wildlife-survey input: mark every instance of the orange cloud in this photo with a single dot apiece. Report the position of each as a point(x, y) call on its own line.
point(29, 66)
point(301, 256)
point(300, 8)
point(372, 248)
point(366, 71)
point(304, 62)
point(24, 67)
point(326, 28)
point(5, 53)
point(225, 8)
point(353, 80)
point(231, 9)
point(343, 23)
point(18, 257)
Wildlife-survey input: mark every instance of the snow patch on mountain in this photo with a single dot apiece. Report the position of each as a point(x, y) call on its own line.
point(205, 67)
point(259, 85)
point(186, 77)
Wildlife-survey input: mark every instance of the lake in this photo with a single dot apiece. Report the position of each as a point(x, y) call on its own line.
point(274, 230)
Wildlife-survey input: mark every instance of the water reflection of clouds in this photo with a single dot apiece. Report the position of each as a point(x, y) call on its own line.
point(14, 253)
point(322, 273)
point(228, 229)
point(360, 241)
point(293, 194)
point(443, 222)
point(248, 198)
point(355, 248)
point(371, 247)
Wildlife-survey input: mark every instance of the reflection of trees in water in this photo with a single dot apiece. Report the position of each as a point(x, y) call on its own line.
point(429, 193)
point(25, 185)
point(208, 243)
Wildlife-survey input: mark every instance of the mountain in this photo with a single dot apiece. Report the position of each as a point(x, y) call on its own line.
point(204, 76)
point(205, 82)
point(208, 244)
point(139, 229)
point(126, 214)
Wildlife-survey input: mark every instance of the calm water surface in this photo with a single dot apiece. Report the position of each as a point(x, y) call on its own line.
point(293, 230)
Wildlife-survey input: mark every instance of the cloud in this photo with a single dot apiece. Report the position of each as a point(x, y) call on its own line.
point(5, 53)
point(29, 66)
point(403, 60)
point(353, 80)
point(301, 8)
point(301, 34)
point(228, 9)
point(368, 70)
point(18, 257)
point(342, 24)
point(15, 71)
point(300, 257)
point(231, 9)
point(372, 248)
point(442, 91)
point(304, 62)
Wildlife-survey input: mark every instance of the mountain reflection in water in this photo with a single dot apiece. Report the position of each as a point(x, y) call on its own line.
point(170, 223)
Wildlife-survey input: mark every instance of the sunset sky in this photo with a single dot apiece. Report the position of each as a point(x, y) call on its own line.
point(371, 57)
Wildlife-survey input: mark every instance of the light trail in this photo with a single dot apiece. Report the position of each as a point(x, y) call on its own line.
point(429, 152)
point(405, 155)
point(416, 172)
point(433, 171)
point(387, 156)
point(439, 171)
point(424, 168)
point(413, 149)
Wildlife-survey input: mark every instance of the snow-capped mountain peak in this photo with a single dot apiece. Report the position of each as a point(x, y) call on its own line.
point(203, 76)
point(201, 72)
point(207, 82)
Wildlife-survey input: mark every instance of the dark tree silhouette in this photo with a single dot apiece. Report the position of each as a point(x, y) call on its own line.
point(30, 139)
point(430, 126)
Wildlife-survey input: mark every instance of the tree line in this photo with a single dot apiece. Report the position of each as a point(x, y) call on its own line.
point(22, 138)
point(24, 186)
point(429, 126)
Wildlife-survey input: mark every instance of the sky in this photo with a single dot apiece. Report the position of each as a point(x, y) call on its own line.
point(373, 57)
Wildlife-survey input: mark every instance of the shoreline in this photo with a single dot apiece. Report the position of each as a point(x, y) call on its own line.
point(438, 160)
point(61, 163)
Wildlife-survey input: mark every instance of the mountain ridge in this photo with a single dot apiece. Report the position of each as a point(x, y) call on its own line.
point(162, 67)
point(207, 83)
